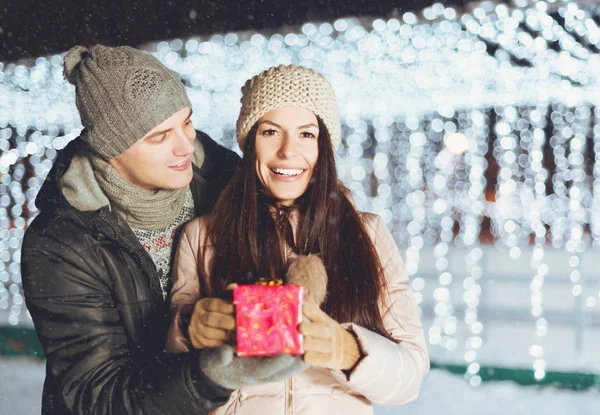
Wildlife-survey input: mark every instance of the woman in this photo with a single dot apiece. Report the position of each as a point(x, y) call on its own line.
point(363, 340)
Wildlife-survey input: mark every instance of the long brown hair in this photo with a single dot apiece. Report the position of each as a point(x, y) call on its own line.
point(243, 234)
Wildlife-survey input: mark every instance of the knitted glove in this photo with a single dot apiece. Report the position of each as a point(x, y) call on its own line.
point(326, 343)
point(212, 323)
point(309, 272)
point(231, 372)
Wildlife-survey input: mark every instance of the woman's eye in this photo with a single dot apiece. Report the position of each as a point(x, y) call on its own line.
point(308, 135)
point(269, 132)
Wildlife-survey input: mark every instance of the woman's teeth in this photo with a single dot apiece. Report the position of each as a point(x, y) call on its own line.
point(288, 172)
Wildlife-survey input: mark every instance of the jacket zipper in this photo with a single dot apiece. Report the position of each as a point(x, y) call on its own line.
point(289, 396)
point(289, 386)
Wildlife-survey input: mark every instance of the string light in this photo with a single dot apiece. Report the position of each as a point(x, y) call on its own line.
point(533, 136)
point(410, 153)
point(576, 214)
point(421, 97)
point(472, 202)
point(442, 194)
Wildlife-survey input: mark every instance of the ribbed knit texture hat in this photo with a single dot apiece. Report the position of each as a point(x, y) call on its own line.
point(122, 94)
point(288, 86)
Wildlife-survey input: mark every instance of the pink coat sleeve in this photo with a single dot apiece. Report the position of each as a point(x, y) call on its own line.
point(186, 286)
point(390, 373)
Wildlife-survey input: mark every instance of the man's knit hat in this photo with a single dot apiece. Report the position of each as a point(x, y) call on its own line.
point(122, 94)
point(288, 86)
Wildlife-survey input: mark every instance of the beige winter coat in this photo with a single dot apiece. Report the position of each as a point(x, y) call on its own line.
point(388, 374)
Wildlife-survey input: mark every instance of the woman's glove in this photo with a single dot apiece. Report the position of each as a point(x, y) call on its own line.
point(212, 323)
point(309, 272)
point(229, 371)
point(326, 343)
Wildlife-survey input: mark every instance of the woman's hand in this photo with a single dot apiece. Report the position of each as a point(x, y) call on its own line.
point(212, 323)
point(326, 343)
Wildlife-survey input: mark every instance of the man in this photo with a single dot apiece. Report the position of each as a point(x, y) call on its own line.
point(96, 260)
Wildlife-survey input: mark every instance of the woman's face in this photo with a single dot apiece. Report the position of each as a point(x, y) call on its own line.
point(286, 152)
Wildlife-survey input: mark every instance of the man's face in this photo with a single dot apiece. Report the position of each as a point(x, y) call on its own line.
point(162, 158)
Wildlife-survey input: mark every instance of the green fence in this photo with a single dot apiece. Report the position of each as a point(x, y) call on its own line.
point(570, 380)
point(19, 341)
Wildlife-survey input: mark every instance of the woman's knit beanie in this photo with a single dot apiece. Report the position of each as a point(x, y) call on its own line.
point(288, 86)
point(121, 93)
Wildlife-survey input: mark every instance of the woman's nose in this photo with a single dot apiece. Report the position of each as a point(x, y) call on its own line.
point(289, 147)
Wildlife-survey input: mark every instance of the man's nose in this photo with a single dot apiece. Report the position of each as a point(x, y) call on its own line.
point(184, 145)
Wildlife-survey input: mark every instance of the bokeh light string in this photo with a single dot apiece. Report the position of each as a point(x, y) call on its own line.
point(356, 172)
point(507, 213)
point(471, 139)
point(595, 205)
point(442, 201)
point(418, 78)
point(575, 173)
point(5, 222)
point(382, 174)
point(536, 211)
point(409, 155)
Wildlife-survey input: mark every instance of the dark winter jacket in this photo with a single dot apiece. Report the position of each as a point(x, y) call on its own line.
point(95, 298)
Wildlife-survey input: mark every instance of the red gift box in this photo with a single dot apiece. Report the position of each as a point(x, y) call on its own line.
point(267, 319)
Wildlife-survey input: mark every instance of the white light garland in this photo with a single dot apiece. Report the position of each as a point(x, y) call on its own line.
point(442, 184)
point(577, 213)
point(410, 152)
point(534, 196)
point(472, 203)
point(418, 95)
point(508, 212)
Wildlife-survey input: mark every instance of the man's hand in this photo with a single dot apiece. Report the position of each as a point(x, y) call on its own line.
point(326, 343)
point(229, 371)
point(212, 323)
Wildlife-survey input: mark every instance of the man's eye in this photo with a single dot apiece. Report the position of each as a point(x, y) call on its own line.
point(159, 138)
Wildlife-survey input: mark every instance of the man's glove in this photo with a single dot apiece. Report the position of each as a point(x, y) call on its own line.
point(229, 371)
point(212, 323)
point(326, 343)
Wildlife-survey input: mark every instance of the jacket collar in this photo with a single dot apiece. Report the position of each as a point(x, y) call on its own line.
point(71, 182)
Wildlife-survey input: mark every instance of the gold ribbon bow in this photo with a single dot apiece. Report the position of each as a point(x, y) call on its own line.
point(269, 281)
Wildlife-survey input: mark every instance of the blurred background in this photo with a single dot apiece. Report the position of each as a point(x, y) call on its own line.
point(472, 129)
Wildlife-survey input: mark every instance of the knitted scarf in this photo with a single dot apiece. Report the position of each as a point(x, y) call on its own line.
point(141, 208)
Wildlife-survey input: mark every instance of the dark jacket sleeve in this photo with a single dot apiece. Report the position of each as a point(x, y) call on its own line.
point(89, 363)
